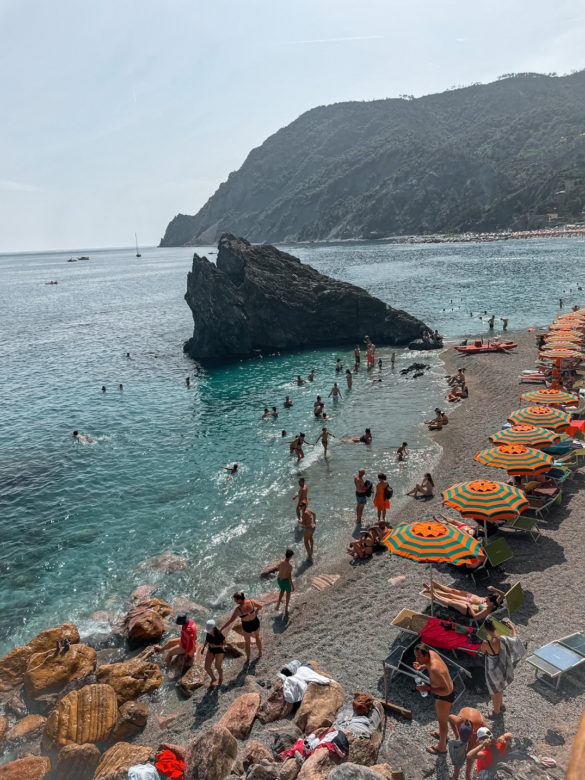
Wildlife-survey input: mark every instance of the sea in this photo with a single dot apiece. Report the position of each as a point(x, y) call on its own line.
point(78, 521)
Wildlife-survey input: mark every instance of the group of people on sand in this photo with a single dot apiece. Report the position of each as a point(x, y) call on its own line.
point(459, 389)
point(370, 537)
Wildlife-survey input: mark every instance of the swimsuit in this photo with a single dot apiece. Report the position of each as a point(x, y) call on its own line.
point(361, 498)
point(215, 649)
point(450, 697)
point(249, 626)
point(284, 585)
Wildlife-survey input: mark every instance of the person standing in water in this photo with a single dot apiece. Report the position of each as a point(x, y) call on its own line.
point(285, 581)
point(309, 522)
point(299, 380)
point(287, 403)
point(274, 413)
point(188, 382)
point(357, 353)
point(393, 359)
point(360, 495)
point(324, 438)
point(335, 392)
point(348, 378)
point(338, 365)
point(311, 375)
point(301, 496)
point(318, 407)
point(491, 322)
point(504, 323)
point(401, 452)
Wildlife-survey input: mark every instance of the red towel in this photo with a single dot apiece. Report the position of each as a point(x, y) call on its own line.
point(169, 765)
point(435, 635)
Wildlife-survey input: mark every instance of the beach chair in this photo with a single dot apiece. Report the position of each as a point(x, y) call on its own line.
point(527, 525)
point(513, 599)
point(539, 507)
point(558, 659)
point(497, 553)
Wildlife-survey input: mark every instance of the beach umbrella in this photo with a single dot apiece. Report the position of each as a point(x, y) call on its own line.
point(431, 542)
point(530, 435)
point(544, 416)
point(561, 353)
point(564, 327)
point(547, 396)
point(564, 337)
point(485, 500)
point(517, 459)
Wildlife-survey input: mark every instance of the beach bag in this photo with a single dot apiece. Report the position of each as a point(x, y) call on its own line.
point(388, 493)
point(457, 752)
point(369, 488)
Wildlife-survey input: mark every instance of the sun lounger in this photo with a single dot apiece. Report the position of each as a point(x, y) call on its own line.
point(497, 553)
point(513, 599)
point(439, 634)
point(540, 507)
point(527, 525)
point(558, 659)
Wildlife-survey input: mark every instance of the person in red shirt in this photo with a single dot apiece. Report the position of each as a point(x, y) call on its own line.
point(181, 649)
point(487, 748)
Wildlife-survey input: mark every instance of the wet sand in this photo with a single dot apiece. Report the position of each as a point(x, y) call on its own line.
point(346, 627)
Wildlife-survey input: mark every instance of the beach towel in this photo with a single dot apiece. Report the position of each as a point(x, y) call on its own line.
point(169, 765)
point(294, 687)
point(437, 634)
point(499, 669)
point(358, 725)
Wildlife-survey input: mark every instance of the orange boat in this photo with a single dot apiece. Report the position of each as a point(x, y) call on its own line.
point(478, 346)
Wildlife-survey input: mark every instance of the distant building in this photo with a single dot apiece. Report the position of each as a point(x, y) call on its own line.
point(553, 216)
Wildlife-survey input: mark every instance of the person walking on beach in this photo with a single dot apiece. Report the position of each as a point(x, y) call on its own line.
point(215, 644)
point(247, 610)
point(401, 452)
point(501, 653)
point(324, 438)
point(382, 497)
point(348, 378)
point(302, 496)
point(360, 495)
point(441, 686)
point(284, 580)
point(309, 522)
point(335, 392)
point(296, 446)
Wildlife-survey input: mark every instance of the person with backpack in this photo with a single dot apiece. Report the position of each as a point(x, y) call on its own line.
point(488, 753)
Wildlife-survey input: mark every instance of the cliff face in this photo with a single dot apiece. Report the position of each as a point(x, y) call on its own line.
point(479, 158)
point(258, 299)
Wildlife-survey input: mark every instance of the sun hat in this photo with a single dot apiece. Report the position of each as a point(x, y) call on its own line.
point(182, 620)
point(210, 626)
point(484, 733)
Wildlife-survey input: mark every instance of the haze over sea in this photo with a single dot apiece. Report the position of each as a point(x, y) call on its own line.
point(75, 519)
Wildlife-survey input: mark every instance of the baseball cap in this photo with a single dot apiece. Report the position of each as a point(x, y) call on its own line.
point(209, 626)
point(182, 620)
point(484, 733)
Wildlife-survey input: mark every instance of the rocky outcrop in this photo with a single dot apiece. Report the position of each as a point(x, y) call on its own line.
point(318, 765)
point(87, 715)
point(25, 730)
point(274, 707)
point(116, 761)
point(131, 720)
point(193, 679)
point(77, 762)
point(255, 752)
point(29, 768)
point(47, 672)
point(351, 771)
point(145, 621)
point(211, 756)
point(259, 299)
point(48, 638)
point(3, 728)
point(130, 679)
point(319, 706)
point(240, 715)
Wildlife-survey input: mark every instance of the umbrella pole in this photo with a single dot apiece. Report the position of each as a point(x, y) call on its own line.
point(432, 591)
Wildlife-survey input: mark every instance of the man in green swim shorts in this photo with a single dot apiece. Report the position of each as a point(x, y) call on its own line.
point(284, 580)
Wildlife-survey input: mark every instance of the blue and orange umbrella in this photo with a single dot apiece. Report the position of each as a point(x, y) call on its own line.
point(486, 500)
point(547, 396)
point(530, 435)
point(544, 416)
point(516, 459)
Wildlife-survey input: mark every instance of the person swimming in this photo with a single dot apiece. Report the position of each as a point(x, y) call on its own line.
point(365, 438)
point(79, 437)
point(231, 469)
point(311, 375)
point(287, 403)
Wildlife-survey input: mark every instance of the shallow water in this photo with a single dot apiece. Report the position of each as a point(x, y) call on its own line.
point(77, 518)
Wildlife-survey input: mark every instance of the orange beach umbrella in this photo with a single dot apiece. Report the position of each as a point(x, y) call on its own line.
point(517, 459)
point(545, 416)
point(486, 500)
point(549, 396)
point(530, 435)
point(561, 353)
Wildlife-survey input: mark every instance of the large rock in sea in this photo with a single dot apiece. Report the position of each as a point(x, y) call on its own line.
point(87, 715)
point(29, 768)
point(130, 679)
point(259, 299)
point(47, 672)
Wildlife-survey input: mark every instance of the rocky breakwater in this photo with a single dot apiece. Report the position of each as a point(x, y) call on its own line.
point(257, 299)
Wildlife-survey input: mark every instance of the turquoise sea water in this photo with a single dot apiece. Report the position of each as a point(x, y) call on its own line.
point(76, 519)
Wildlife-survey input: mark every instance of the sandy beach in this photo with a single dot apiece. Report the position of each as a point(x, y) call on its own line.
point(346, 627)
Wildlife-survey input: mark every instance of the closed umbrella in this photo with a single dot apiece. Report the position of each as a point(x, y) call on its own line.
point(531, 435)
point(545, 416)
point(517, 459)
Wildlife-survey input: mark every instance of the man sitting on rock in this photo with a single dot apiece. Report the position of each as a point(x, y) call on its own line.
point(181, 649)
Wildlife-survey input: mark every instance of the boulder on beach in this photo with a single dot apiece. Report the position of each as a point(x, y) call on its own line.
point(240, 715)
point(29, 768)
point(86, 715)
point(319, 706)
point(142, 592)
point(193, 679)
point(47, 672)
point(77, 762)
point(211, 756)
point(130, 679)
point(131, 720)
point(259, 299)
point(352, 771)
point(145, 621)
point(116, 761)
point(3, 728)
point(183, 605)
point(255, 752)
point(274, 707)
point(48, 638)
point(318, 765)
point(25, 730)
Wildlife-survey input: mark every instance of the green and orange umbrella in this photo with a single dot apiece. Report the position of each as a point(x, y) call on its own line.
point(547, 396)
point(544, 416)
point(530, 435)
point(561, 353)
point(432, 542)
point(486, 500)
point(517, 459)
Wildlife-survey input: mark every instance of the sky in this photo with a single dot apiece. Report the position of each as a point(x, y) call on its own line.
point(118, 114)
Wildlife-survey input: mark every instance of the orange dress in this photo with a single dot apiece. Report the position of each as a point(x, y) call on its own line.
point(379, 501)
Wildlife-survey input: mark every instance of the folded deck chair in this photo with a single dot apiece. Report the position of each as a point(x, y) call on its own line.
point(497, 553)
point(539, 506)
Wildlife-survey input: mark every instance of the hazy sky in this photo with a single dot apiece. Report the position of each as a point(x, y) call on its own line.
point(118, 114)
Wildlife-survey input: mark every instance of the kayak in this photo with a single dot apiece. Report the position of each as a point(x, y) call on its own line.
point(491, 346)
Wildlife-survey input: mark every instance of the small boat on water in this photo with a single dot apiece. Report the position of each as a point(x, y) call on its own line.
point(75, 259)
point(478, 347)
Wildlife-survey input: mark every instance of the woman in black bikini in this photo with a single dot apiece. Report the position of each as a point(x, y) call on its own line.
point(215, 644)
point(247, 610)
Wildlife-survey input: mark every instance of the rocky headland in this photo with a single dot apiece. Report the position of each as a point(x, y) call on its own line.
point(257, 299)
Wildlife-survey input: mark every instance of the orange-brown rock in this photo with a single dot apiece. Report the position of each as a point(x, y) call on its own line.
point(116, 761)
point(3, 728)
point(77, 762)
point(319, 706)
point(86, 715)
point(28, 728)
point(48, 638)
point(212, 755)
point(318, 765)
point(255, 752)
point(29, 768)
point(132, 719)
point(274, 707)
point(240, 715)
point(193, 679)
point(47, 672)
point(130, 679)
point(145, 621)
point(12, 668)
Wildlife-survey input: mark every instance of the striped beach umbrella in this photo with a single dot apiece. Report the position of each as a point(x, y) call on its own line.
point(561, 353)
point(544, 416)
point(517, 459)
point(548, 396)
point(564, 337)
point(486, 500)
point(432, 542)
point(530, 435)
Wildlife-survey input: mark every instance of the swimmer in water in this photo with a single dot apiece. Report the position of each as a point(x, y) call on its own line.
point(188, 382)
point(338, 365)
point(365, 438)
point(401, 452)
point(311, 375)
point(324, 439)
point(287, 403)
point(120, 387)
point(274, 413)
point(265, 414)
point(232, 470)
point(379, 364)
point(79, 437)
point(298, 380)
point(283, 434)
point(349, 378)
point(393, 359)
point(308, 521)
point(128, 356)
point(335, 392)
point(103, 388)
point(318, 407)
